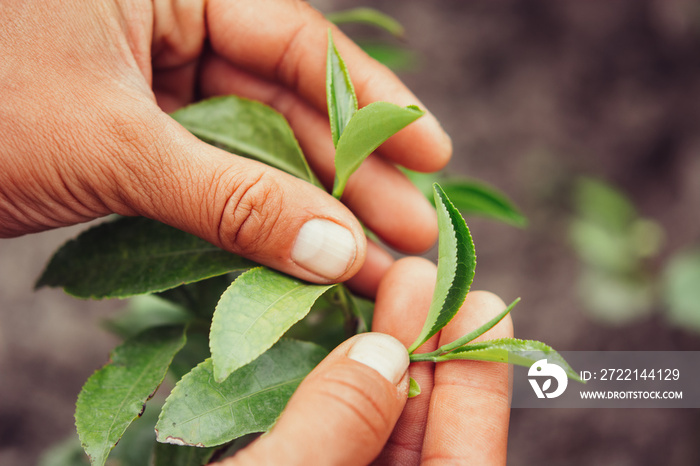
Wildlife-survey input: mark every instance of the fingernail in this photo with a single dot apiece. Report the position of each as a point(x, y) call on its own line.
point(324, 248)
point(383, 353)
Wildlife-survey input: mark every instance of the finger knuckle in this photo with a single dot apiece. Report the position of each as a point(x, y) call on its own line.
point(251, 212)
point(363, 399)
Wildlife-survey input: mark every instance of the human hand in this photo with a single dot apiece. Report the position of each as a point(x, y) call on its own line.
point(347, 413)
point(83, 131)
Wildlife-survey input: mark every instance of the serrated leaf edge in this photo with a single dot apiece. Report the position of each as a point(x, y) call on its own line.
point(336, 131)
point(109, 448)
point(42, 281)
point(453, 215)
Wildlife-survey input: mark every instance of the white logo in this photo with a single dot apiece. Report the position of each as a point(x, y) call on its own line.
point(542, 368)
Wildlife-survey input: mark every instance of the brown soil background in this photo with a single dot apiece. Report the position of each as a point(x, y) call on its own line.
point(533, 93)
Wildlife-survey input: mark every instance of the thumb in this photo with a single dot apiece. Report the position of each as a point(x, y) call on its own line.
point(238, 204)
point(343, 412)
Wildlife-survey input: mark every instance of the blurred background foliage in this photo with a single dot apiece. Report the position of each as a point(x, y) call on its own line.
point(584, 114)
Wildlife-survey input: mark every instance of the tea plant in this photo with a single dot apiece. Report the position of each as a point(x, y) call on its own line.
point(227, 335)
point(615, 246)
point(624, 278)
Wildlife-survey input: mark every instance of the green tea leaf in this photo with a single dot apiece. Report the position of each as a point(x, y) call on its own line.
point(511, 351)
point(114, 396)
point(247, 128)
point(367, 130)
point(253, 313)
point(368, 16)
point(135, 448)
point(357, 312)
point(200, 298)
point(413, 388)
point(456, 264)
point(132, 256)
point(144, 312)
point(423, 181)
point(364, 311)
point(342, 102)
point(470, 197)
point(476, 198)
point(165, 454)
point(202, 412)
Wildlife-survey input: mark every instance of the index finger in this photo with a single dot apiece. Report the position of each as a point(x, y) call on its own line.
point(286, 41)
point(470, 402)
point(401, 307)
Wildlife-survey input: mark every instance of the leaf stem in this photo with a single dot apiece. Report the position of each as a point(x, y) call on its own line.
point(423, 357)
point(341, 298)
